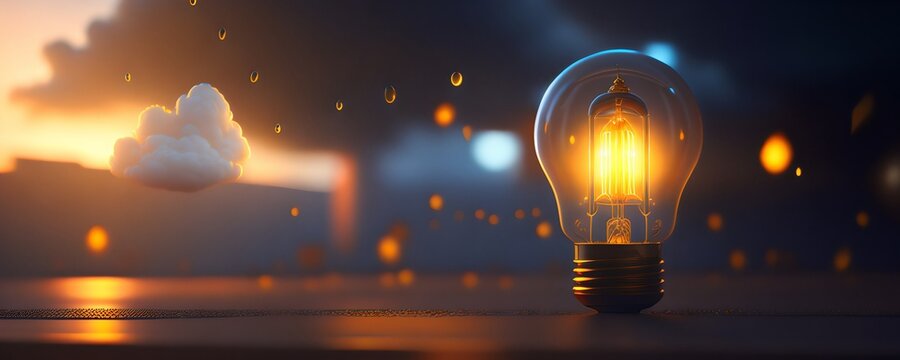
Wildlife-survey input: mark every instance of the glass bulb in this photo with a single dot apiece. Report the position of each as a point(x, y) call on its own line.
point(618, 134)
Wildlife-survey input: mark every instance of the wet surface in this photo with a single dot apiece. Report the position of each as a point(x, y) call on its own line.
point(351, 316)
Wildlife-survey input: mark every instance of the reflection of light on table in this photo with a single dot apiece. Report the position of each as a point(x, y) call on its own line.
point(91, 331)
point(94, 292)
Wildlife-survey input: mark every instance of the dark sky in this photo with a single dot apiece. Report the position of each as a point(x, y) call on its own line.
point(756, 67)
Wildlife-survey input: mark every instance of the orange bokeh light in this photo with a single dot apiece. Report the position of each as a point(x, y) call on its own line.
point(444, 114)
point(520, 214)
point(776, 154)
point(738, 260)
point(96, 239)
point(265, 282)
point(544, 229)
point(406, 277)
point(479, 214)
point(470, 280)
point(535, 212)
point(842, 259)
point(295, 211)
point(436, 202)
point(715, 222)
point(467, 132)
point(389, 250)
point(494, 219)
point(862, 219)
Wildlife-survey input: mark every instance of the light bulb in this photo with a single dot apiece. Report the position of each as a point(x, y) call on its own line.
point(618, 134)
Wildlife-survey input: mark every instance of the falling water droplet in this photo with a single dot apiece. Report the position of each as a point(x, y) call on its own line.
point(390, 94)
point(681, 135)
point(128, 77)
point(277, 128)
point(254, 77)
point(467, 132)
point(456, 78)
point(339, 105)
point(799, 171)
point(192, 2)
point(222, 33)
point(571, 139)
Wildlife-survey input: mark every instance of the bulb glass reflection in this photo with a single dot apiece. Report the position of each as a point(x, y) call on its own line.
point(642, 138)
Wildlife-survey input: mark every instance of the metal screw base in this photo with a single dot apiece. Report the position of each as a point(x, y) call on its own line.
point(618, 278)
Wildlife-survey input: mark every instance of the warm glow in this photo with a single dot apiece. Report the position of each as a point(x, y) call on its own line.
point(842, 259)
point(470, 280)
point(406, 277)
point(617, 164)
point(436, 202)
point(389, 250)
point(776, 154)
point(479, 214)
point(96, 239)
point(295, 211)
point(681, 135)
point(535, 212)
point(798, 171)
point(715, 222)
point(520, 214)
point(862, 219)
point(444, 114)
point(544, 229)
point(95, 331)
point(571, 139)
point(738, 260)
point(95, 292)
point(265, 282)
point(494, 219)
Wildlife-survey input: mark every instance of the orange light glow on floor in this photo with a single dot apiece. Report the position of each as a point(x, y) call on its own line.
point(444, 115)
point(436, 202)
point(470, 280)
point(715, 222)
point(776, 154)
point(96, 239)
point(544, 229)
point(95, 291)
point(91, 331)
point(389, 250)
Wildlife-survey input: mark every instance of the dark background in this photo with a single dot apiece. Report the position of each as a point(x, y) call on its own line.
point(756, 68)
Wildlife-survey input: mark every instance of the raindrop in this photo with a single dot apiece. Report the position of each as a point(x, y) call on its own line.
point(254, 77)
point(128, 77)
point(339, 105)
point(681, 135)
point(277, 128)
point(456, 78)
point(222, 33)
point(192, 2)
point(390, 94)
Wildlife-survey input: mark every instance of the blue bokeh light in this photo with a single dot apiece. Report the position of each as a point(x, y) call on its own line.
point(496, 150)
point(664, 52)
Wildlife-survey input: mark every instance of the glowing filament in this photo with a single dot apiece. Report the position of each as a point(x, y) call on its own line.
point(617, 163)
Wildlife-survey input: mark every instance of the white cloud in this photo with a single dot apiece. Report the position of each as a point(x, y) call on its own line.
point(196, 146)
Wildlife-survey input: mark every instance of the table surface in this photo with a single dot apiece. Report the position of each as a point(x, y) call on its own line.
point(776, 315)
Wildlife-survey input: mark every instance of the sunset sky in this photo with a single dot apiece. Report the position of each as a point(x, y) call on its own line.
point(87, 137)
